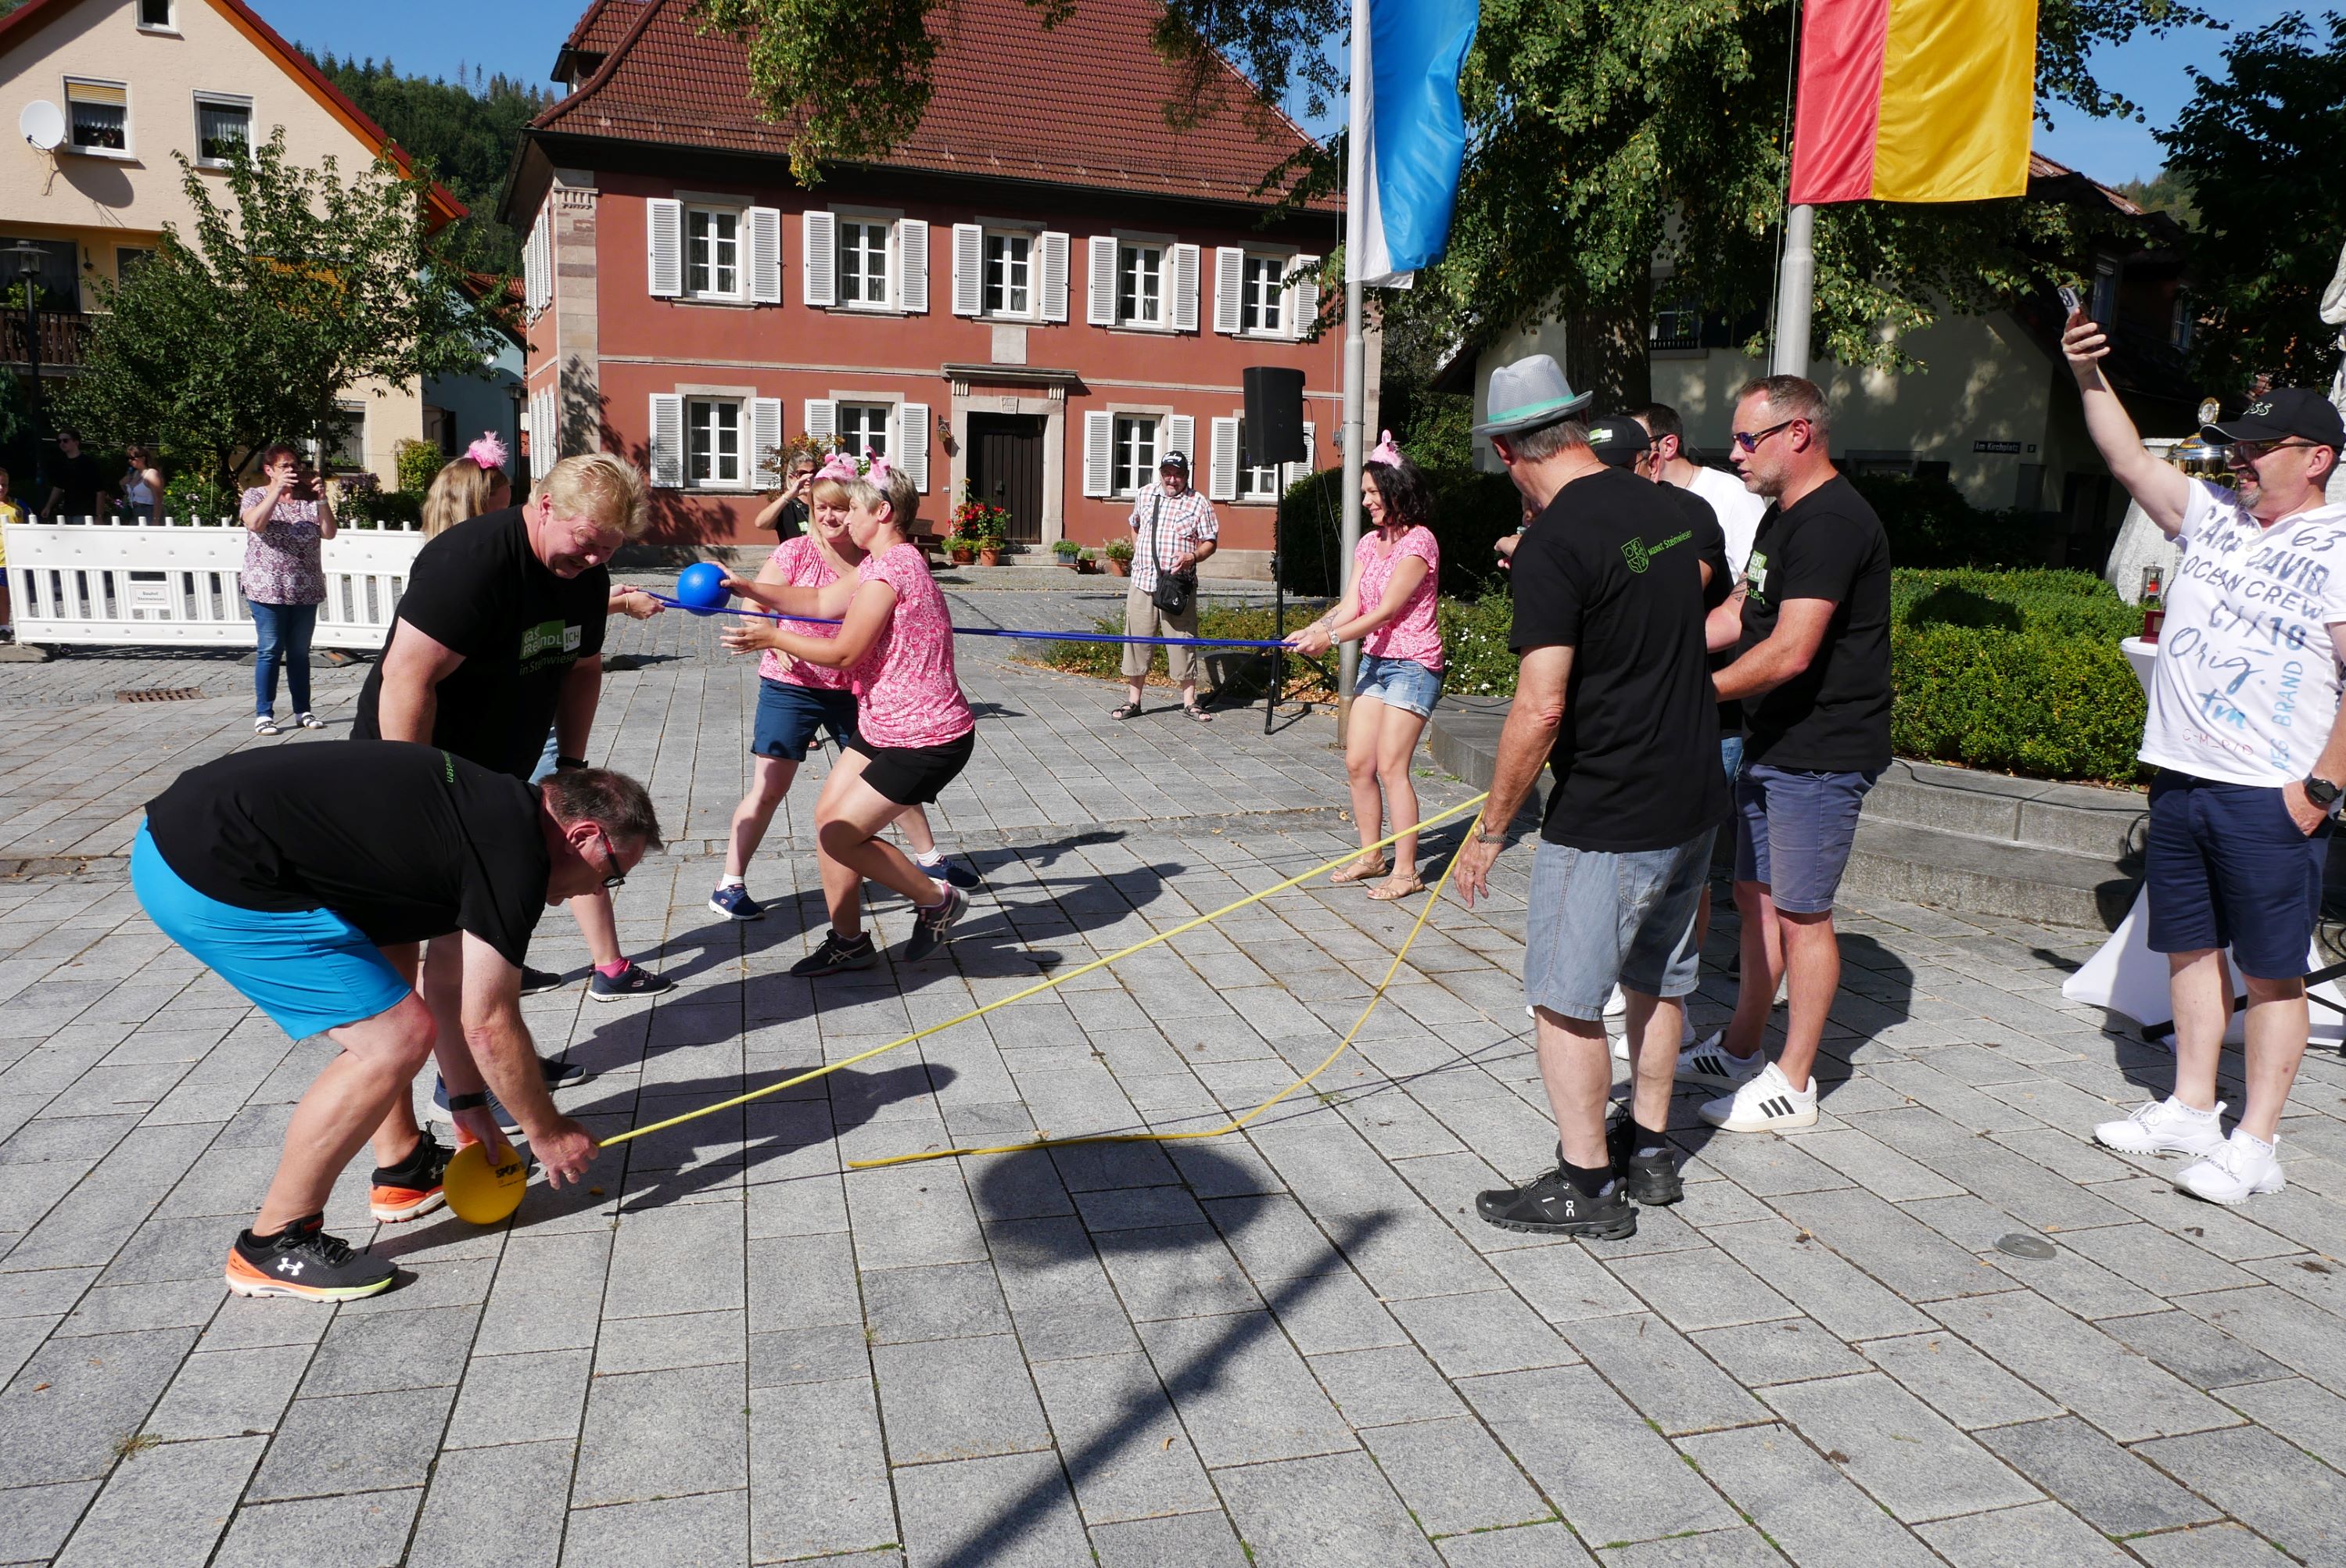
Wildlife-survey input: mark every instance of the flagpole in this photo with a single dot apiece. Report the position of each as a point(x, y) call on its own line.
point(1356, 349)
point(1796, 293)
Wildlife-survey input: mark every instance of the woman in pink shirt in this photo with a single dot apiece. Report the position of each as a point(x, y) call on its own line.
point(1391, 607)
point(914, 729)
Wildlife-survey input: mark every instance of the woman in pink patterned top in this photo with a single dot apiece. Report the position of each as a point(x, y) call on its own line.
point(284, 580)
point(914, 729)
point(1391, 605)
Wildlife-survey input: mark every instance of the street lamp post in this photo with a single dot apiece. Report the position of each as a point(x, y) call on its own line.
point(29, 258)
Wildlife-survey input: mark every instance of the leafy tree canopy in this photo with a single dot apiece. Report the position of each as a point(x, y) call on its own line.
point(298, 285)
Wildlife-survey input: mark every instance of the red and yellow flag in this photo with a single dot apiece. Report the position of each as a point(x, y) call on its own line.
point(1913, 100)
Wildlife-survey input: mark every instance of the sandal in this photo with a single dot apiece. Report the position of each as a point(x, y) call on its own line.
point(266, 724)
point(1386, 891)
point(1361, 871)
point(1123, 710)
point(309, 721)
point(1200, 714)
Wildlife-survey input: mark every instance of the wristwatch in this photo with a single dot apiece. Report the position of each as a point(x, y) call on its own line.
point(2320, 791)
point(1499, 839)
point(472, 1102)
point(565, 763)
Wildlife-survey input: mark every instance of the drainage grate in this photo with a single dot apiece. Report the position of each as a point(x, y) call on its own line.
point(160, 694)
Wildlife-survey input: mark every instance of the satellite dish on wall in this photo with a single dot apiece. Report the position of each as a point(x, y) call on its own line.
point(42, 124)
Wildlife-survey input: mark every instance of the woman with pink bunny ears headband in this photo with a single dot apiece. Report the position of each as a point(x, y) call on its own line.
point(1389, 604)
point(466, 487)
point(913, 728)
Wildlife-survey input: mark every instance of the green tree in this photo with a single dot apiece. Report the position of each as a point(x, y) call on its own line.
point(2259, 146)
point(298, 285)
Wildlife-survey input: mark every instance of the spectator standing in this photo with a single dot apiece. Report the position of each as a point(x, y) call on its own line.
point(1738, 510)
point(467, 486)
point(1174, 528)
point(1813, 671)
point(2243, 730)
point(142, 486)
point(75, 490)
point(287, 521)
point(9, 512)
point(1612, 587)
point(787, 513)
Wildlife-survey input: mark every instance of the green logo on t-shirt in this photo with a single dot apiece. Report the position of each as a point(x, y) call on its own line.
point(547, 644)
point(1636, 552)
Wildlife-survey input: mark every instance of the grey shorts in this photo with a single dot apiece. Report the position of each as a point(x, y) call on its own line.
point(1793, 830)
point(1599, 919)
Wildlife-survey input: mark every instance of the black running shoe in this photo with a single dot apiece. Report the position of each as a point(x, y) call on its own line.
point(410, 1189)
point(560, 1072)
point(838, 952)
point(954, 873)
point(534, 981)
point(302, 1260)
point(1652, 1178)
point(929, 926)
point(1552, 1205)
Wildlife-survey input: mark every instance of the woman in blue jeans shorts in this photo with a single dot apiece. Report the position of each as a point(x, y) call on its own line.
point(284, 580)
point(1396, 574)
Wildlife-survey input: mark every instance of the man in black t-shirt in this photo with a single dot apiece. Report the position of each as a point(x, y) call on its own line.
point(1813, 671)
point(76, 489)
point(1613, 583)
point(291, 871)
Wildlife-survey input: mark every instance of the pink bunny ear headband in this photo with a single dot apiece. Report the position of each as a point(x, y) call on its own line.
point(488, 451)
point(1386, 452)
point(839, 466)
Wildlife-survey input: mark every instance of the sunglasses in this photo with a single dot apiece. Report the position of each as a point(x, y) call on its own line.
point(1750, 440)
point(2250, 451)
point(615, 878)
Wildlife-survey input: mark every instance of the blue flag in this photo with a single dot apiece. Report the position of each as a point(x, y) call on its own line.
point(1417, 133)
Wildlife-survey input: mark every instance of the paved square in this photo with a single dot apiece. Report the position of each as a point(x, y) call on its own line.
point(1296, 1346)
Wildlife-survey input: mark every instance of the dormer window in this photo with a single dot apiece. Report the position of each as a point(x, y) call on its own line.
point(155, 16)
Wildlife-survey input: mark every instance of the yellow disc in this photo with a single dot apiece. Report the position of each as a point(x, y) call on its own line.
point(481, 1191)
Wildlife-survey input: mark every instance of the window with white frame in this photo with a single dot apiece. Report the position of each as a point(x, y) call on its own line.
point(98, 114)
point(343, 449)
point(1135, 449)
point(155, 15)
point(864, 263)
point(1262, 288)
point(223, 129)
point(863, 429)
point(713, 441)
point(1009, 274)
point(712, 253)
point(1255, 484)
point(1140, 286)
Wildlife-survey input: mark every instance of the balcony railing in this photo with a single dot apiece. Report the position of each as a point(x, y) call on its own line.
point(62, 332)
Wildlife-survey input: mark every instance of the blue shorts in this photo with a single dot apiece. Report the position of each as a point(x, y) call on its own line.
point(1793, 832)
point(1401, 683)
point(2226, 866)
point(1730, 756)
point(1599, 919)
point(310, 969)
point(789, 714)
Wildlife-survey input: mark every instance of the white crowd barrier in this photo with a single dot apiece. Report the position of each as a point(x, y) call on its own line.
point(97, 581)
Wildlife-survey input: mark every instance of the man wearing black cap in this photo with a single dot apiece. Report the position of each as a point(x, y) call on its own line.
point(2243, 730)
point(1173, 529)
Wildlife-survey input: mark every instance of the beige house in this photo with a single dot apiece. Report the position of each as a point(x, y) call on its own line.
point(123, 85)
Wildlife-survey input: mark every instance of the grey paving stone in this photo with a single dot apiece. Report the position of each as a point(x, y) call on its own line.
point(1701, 1289)
point(2110, 1488)
point(1791, 1351)
point(1116, 1434)
point(391, 1351)
point(1897, 1448)
point(496, 1507)
point(2085, 1370)
point(1380, 1386)
point(940, 1301)
point(521, 1399)
point(1808, 1508)
point(677, 1258)
point(659, 1434)
point(1173, 1541)
point(1488, 1331)
point(164, 1506)
point(1176, 1271)
point(1672, 1384)
point(2020, 1538)
point(549, 1295)
point(1330, 1512)
point(2296, 1502)
point(802, 1281)
point(1243, 1394)
point(819, 1479)
point(369, 1529)
point(1891, 1245)
point(711, 1529)
point(1563, 1282)
point(1957, 1382)
point(1452, 1477)
point(2209, 1546)
point(229, 1393)
point(959, 1399)
point(1531, 1547)
point(1829, 1290)
point(35, 1520)
point(2159, 1262)
point(2283, 1327)
point(2305, 1413)
point(352, 1444)
point(1332, 1312)
point(2199, 1353)
point(75, 1399)
point(1012, 1510)
point(657, 1344)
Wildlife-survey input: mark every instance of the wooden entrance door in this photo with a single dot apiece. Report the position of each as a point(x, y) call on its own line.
point(1005, 468)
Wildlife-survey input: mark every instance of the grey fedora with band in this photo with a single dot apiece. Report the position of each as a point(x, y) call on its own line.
point(1527, 394)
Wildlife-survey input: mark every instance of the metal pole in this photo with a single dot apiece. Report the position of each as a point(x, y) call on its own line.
point(1796, 293)
point(1356, 349)
point(1279, 630)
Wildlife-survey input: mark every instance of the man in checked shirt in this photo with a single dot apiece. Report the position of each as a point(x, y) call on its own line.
point(1173, 529)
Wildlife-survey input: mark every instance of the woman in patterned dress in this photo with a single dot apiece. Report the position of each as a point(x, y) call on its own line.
point(284, 580)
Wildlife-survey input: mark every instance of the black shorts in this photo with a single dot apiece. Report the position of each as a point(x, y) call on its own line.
point(912, 775)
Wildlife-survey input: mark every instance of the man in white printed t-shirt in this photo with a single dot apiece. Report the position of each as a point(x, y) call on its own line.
point(2243, 730)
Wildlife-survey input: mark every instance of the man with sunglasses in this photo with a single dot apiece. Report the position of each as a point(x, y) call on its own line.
point(289, 871)
point(2243, 730)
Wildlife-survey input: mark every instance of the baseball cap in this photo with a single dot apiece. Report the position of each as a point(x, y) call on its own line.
point(1179, 460)
point(1619, 440)
point(2286, 412)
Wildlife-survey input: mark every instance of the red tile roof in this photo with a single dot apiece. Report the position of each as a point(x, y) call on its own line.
point(1080, 103)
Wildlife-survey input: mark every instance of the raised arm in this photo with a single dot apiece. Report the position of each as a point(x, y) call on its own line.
point(2163, 491)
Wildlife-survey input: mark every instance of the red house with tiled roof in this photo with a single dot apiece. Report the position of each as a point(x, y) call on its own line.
point(1036, 295)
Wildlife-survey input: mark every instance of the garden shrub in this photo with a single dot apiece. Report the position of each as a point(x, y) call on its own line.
point(1930, 524)
point(418, 464)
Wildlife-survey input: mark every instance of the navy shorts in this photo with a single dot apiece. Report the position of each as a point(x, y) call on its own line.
point(2228, 866)
point(789, 714)
point(1794, 829)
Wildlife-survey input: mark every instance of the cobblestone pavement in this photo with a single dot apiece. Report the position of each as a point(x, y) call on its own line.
point(1297, 1346)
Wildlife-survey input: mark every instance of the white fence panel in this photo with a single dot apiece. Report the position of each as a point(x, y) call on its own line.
point(101, 581)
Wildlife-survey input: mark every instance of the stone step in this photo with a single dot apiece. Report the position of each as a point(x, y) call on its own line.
point(1987, 876)
point(2073, 819)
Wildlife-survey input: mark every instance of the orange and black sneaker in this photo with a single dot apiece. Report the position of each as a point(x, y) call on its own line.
point(302, 1260)
point(411, 1188)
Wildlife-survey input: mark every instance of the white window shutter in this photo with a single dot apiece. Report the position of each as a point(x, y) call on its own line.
point(765, 438)
point(1184, 284)
point(667, 440)
point(1293, 472)
point(822, 420)
point(1098, 432)
point(765, 254)
point(664, 240)
point(1099, 303)
point(1230, 278)
point(1181, 436)
point(819, 257)
point(1303, 299)
point(969, 270)
point(1222, 465)
point(912, 267)
point(1054, 276)
point(913, 442)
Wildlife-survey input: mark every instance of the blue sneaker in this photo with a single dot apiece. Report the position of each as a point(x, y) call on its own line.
point(506, 1123)
point(633, 981)
point(735, 903)
point(953, 873)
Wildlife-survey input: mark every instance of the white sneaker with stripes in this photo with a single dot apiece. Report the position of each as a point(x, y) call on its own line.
point(1768, 1103)
point(1712, 1064)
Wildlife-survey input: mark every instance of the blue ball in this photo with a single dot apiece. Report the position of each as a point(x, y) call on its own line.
point(700, 588)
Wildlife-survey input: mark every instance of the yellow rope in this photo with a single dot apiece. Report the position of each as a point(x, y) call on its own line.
point(1037, 989)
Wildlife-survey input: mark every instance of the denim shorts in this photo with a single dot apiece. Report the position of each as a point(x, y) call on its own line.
point(1793, 832)
point(1401, 683)
point(1730, 756)
point(789, 714)
point(2226, 866)
point(1599, 919)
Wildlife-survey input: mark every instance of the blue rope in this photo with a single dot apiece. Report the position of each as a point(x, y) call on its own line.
point(990, 631)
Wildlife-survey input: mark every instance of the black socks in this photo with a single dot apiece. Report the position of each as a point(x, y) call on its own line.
point(1591, 1181)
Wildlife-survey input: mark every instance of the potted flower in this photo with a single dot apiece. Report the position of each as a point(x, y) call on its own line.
point(1070, 553)
point(977, 529)
point(1119, 557)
